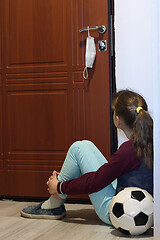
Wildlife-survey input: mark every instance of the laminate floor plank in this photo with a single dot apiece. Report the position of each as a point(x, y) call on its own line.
point(80, 223)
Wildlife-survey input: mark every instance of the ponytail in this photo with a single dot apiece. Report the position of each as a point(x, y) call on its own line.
point(142, 135)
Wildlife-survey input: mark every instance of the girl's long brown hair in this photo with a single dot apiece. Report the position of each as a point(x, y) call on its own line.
point(125, 104)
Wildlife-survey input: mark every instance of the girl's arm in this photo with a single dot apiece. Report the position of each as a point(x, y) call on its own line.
point(123, 161)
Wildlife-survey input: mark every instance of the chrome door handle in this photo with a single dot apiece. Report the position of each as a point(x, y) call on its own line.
point(101, 29)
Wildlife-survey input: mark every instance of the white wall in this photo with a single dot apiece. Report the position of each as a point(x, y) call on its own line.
point(137, 57)
point(156, 111)
point(133, 48)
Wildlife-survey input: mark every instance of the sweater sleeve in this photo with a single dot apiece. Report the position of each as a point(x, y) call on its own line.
point(123, 161)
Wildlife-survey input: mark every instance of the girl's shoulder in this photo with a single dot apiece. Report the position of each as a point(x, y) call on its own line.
point(125, 157)
point(126, 149)
point(127, 143)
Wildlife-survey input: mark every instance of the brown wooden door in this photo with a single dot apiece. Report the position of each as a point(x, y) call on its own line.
point(46, 104)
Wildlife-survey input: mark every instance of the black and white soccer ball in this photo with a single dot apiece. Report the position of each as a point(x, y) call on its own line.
point(131, 211)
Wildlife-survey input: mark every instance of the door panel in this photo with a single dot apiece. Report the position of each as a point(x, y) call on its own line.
point(35, 35)
point(48, 105)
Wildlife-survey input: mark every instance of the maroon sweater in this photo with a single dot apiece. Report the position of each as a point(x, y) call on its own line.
point(123, 161)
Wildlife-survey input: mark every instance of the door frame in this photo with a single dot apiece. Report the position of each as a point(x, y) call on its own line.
point(112, 76)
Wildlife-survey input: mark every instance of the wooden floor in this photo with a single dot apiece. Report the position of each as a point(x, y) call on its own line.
point(81, 223)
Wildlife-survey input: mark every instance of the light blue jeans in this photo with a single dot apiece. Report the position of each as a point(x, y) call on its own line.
point(82, 157)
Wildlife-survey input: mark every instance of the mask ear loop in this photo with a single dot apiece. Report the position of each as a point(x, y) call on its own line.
point(85, 72)
point(88, 32)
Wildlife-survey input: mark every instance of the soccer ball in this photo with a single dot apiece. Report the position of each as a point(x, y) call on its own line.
point(131, 211)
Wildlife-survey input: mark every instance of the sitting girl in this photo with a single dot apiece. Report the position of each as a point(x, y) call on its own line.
point(86, 171)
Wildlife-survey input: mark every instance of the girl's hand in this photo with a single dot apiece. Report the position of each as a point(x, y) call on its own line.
point(52, 183)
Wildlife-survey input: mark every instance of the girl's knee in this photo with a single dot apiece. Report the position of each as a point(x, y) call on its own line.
point(88, 143)
point(75, 147)
point(79, 147)
point(82, 143)
point(76, 144)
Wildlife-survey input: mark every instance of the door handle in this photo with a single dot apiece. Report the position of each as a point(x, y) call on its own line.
point(101, 29)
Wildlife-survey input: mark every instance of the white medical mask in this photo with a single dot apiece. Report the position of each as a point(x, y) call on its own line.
point(90, 54)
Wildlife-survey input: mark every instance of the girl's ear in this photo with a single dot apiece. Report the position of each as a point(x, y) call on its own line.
point(118, 121)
